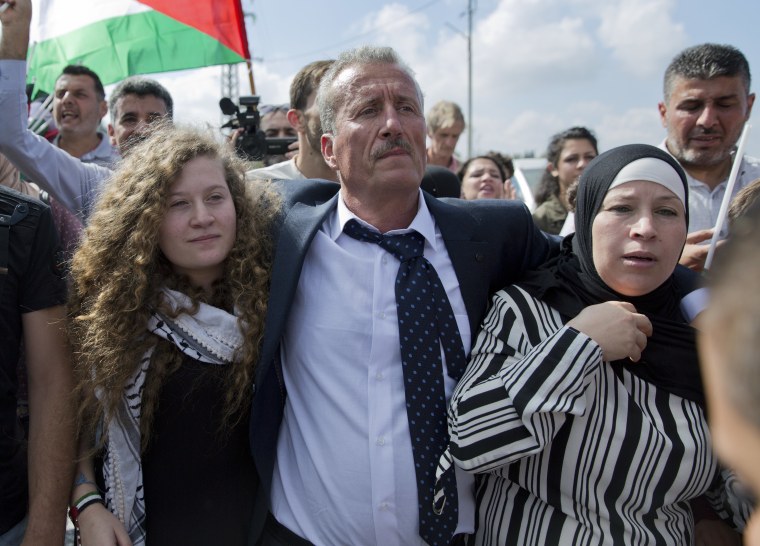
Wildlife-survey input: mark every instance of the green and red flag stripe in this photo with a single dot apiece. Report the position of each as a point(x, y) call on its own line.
point(119, 38)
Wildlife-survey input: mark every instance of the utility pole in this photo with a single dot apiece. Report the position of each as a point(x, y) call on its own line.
point(230, 85)
point(230, 82)
point(470, 10)
point(468, 37)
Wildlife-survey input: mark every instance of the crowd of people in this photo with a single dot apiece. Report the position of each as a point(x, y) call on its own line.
point(373, 341)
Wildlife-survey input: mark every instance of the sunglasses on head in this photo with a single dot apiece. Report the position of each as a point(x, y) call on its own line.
point(265, 109)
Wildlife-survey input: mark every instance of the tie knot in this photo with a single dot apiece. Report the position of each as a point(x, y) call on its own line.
point(403, 246)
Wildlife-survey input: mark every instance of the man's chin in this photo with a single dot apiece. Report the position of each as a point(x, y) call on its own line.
point(702, 157)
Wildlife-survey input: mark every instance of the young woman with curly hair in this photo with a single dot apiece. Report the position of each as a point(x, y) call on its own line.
point(168, 302)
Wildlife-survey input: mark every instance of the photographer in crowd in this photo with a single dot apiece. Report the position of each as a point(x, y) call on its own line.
point(275, 125)
point(304, 117)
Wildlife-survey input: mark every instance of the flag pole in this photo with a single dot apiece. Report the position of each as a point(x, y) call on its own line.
point(727, 197)
point(249, 66)
point(39, 124)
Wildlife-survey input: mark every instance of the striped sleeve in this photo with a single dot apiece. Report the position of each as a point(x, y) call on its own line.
point(527, 372)
point(731, 500)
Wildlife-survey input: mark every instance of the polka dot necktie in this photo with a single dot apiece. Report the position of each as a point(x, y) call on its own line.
point(426, 323)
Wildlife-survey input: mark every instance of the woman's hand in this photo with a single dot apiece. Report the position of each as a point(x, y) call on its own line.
point(510, 193)
point(99, 527)
point(616, 327)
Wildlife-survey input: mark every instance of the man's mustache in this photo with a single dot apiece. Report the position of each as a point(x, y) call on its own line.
point(390, 145)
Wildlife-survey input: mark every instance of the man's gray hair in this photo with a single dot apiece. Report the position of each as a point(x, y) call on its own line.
point(329, 100)
point(705, 62)
point(142, 87)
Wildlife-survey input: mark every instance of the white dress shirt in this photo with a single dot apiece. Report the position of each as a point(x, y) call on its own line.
point(704, 203)
point(344, 472)
point(285, 170)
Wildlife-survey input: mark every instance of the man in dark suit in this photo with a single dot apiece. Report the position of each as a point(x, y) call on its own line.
point(332, 409)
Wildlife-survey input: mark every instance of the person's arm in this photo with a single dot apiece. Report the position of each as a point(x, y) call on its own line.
point(540, 246)
point(69, 180)
point(97, 525)
point(498, 413)
point(527, 373)
point(51, 430)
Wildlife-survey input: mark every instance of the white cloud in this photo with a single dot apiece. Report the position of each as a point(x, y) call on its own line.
point(395, 25)
point(641, 33)
point(634, 125)
point(523, 44)
point(528, 132)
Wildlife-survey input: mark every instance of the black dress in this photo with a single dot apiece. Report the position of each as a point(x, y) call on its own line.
point(200, 482)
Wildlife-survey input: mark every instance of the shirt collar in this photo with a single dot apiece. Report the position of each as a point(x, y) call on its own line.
point(695, 183)
point(103, 149)
point(423, 222)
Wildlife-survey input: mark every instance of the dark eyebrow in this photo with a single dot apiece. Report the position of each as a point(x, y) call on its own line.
point(673, 197)
point(215, 187)
point(630, 196)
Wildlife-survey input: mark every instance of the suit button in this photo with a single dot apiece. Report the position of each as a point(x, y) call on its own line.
point(479, 257)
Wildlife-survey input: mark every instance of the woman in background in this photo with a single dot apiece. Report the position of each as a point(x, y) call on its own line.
point(484, 177)
point(568, 154)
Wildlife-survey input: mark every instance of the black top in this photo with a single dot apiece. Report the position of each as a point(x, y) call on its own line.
point(199, 480)
point(33, 282)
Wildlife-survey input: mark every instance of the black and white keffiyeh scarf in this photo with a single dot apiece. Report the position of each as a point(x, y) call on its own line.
point(211, 336)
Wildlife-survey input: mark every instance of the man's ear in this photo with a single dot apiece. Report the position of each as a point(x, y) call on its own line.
point(328, 153)
point(112, 135)
point(103, 108)
point(750, 102)
point(295, 119)
point(663, 113)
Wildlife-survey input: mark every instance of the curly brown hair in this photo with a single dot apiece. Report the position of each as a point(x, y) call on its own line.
point(119, 270)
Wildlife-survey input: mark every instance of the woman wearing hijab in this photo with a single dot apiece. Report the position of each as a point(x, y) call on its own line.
point(582, 407)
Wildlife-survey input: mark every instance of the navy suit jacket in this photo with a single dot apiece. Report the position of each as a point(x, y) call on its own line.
point(491, 243)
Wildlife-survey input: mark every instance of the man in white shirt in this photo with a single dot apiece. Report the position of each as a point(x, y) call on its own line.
point(331, 419)
point(303, 116)
point(706, 102)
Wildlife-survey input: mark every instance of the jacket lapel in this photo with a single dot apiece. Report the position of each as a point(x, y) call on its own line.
point(467, 254)
point(297, 231)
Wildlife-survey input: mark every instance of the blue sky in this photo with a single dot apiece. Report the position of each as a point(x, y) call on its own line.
point(539, 66)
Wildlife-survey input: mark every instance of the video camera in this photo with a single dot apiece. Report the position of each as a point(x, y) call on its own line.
point(252, 143)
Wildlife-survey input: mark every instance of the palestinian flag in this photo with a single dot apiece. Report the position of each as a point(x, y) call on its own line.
point(119, 38)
